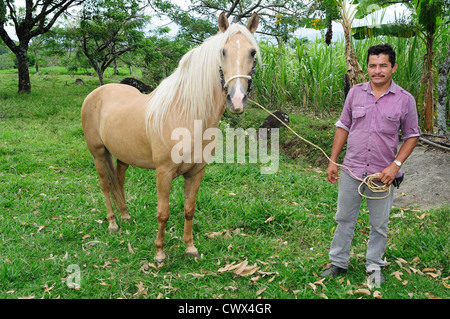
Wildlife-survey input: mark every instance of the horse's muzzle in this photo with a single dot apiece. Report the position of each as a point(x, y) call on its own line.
point(237, 99)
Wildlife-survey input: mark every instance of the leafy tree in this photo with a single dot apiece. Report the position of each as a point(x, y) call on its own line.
point(107, 29)
point(161, 56)
point(279, 18)
point(35, 19)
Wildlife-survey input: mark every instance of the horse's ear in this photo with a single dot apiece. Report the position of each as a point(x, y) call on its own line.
point(223, 22)
point(252, 24)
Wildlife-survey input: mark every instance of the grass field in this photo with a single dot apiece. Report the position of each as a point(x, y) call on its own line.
point(53, 230)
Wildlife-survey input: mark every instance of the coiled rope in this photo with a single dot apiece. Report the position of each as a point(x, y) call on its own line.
point(369, 181)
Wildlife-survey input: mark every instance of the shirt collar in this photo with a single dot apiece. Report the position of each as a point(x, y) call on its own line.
point(392, 88)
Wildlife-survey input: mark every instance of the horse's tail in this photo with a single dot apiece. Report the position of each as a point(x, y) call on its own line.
point(116, 192)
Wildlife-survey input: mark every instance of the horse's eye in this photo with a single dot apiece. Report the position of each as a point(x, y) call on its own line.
point(252, 53)
point(224, 53)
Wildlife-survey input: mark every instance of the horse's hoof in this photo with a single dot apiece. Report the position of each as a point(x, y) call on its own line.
point(113, 229)
point(159, 262)
point(159, 258)
point(193, 254)
point(126, 219)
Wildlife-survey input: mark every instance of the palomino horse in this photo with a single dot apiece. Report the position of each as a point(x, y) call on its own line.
point(137, 129)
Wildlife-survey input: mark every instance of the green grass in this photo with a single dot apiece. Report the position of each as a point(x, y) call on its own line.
point(53, 217)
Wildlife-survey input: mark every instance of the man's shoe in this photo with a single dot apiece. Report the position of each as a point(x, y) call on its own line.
point(376, 277)
point(333, 271)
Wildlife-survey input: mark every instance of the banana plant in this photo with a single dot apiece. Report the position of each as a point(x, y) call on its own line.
point(426, 18)
point(344, 12)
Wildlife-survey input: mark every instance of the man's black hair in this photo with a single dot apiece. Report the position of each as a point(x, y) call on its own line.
point(382, 49)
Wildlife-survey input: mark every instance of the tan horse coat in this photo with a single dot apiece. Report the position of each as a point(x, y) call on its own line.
point(118, 121)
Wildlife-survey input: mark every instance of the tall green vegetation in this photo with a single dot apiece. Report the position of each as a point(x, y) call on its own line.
point(308, 75)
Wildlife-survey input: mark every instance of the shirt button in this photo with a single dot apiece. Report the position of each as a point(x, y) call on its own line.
point(368, 164)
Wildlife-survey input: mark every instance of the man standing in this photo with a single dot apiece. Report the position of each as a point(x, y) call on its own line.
point(373, 115)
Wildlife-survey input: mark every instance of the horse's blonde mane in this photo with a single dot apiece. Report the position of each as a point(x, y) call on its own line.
point(195, 83)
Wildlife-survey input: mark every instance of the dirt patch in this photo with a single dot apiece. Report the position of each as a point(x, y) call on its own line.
point(427, 179)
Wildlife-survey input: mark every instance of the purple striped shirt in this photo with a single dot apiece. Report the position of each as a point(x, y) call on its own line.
point(374, 127)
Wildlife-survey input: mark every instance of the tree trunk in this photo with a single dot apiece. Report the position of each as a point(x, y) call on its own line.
point(100, 78)
point(115, 67)
point(100, 73)
point(442, 94)
point(24, 72)
point(428, 87)
point(36, 60)
point(354, 70)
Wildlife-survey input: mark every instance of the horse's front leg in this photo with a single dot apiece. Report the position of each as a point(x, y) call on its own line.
point(163, 184)
point(191, 187)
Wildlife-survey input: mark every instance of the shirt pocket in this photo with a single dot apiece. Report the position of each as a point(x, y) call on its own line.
point(389, 125)
point(358, 114)
point(358, 117)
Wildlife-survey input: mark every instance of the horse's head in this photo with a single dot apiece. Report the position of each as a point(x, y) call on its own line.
point(238, 64)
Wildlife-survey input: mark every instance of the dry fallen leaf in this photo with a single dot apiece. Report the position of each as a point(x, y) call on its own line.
point(214, 234)
point(285, 289)
point(428, 269)
point(260, 291)
point(422, 216)
point(377, 294)
point(397, 275)
point(362, 291)
point(92, 243)
point(130, 250)
point(47, 288)
point(320, 282)
point(241, 269)
point(254, 279)
point(415, 271)
point(430, 296)
point(141, 289)
point(227, 233)
point(268, 220)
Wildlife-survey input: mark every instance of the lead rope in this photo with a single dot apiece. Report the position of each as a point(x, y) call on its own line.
point(369, 181)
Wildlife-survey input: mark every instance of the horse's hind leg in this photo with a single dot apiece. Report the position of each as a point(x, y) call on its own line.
point(103, 164)
point(121, 168)
point(164, 179)
point(191, 187)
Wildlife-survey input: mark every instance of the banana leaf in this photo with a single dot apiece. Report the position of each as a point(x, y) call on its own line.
point(392, 29)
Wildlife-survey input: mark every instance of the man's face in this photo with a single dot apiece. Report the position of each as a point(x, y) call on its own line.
point(380, 69)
